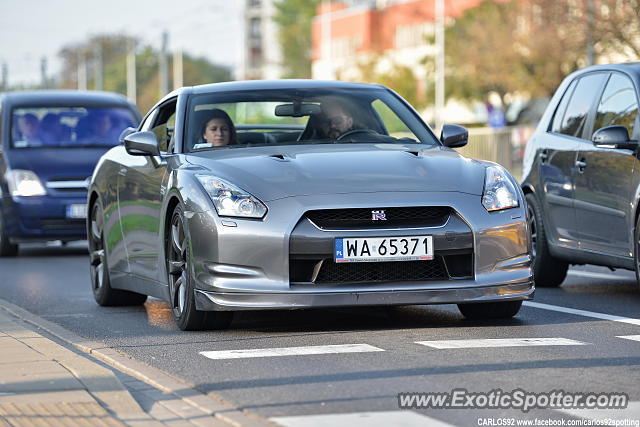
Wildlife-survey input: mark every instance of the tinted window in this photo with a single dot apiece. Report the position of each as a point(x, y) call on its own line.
point(619, 105)
point(69, 126)
point(582, 100)
point(557, 118)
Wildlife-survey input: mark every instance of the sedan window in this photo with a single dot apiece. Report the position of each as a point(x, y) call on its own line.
point(582, 100)
point(619, 105)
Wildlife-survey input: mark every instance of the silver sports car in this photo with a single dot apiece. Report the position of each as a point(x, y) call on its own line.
point(295, 194)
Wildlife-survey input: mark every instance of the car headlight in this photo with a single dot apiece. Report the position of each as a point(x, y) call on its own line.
point(499, 192)
point(230, 200)
point(24, 183)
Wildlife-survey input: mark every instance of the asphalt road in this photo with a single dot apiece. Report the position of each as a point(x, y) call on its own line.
point(53, 282)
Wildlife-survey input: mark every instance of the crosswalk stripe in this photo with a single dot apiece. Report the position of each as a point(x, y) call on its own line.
point(500, 342)
point(584, 313)
point(630, 337)
point(289, 351)
point(382, 418)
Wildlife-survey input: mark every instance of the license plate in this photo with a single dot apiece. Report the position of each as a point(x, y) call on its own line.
point(77, 211)
point(375, 249)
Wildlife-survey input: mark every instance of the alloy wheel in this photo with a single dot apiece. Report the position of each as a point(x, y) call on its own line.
point(178, 267)
point(531, 220)
point(97, 247)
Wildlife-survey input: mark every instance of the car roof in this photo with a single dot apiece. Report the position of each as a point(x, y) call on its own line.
point(280, 84)
point(63, 98)
point(627, 67)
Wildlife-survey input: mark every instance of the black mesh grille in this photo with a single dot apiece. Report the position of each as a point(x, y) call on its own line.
point(419, 216)
point(395, 271)
point(63, 224)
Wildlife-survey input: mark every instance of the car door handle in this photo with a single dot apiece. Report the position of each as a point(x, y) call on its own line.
point(544, 156)
point(581, 165)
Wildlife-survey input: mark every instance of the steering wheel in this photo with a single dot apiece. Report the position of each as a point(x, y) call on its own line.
point(356, 131)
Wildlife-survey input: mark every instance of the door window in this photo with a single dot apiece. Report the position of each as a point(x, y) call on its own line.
point(582, 99)
point(164, 124)
point(619, 105)
point(557, 118)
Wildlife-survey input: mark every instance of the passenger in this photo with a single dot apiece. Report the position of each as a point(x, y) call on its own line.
point(53, 132)
point(218, 129)
point(29, 127)
point(96, 127)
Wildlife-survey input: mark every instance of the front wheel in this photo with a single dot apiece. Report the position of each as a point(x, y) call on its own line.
point(548, 271)
point(103, 293)
point(6, 247)
point(490, 310)
point(181, 287)
point(636, 250)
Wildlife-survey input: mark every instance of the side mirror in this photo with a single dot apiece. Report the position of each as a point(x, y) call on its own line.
point(126, 132)
point(454, 136)
point(615, 136)
point(142, 144)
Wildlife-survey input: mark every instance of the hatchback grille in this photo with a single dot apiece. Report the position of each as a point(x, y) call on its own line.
point(418, 216)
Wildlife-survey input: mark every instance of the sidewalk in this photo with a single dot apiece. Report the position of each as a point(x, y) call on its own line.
point(43, 383)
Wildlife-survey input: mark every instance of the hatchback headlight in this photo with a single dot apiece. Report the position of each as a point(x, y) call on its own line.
point(230, 200)
point(499, 192)
point(24, 183)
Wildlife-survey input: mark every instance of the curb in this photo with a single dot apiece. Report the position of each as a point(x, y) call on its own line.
point(209, 403)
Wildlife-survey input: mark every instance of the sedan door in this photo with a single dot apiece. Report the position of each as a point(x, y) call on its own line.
point(604, 176)
point(141, 188)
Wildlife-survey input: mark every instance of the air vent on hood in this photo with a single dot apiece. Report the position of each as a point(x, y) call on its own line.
point(280, 157)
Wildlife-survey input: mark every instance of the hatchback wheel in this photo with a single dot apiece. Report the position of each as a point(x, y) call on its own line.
point(636, 250)
point(490, 310)
point(181, 286)
point(548, 271)
point(6, 247)
point(100, 283)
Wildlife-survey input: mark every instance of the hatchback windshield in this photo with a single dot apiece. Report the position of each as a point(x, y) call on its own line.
point(69, 126)
point(295, 116)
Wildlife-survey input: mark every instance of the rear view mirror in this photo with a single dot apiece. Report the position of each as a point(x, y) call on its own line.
point(454, 136)
point(142, 144)
point(297, 109)
point(615, 136)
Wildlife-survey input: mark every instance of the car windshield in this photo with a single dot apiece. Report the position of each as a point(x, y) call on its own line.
point(295, 116)
point(69, 126)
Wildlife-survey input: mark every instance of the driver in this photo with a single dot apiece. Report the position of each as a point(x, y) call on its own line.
point(340, 119)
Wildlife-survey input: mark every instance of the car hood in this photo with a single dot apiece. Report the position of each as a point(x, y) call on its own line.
point(272, 173)
point(56, 162)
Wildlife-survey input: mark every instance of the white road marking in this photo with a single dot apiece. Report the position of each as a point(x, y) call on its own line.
point(386, 418)
point(585, 313)
point(598, 275)
point(508, 342)
point(628, 415)
point(629, 337)
point(289, 351)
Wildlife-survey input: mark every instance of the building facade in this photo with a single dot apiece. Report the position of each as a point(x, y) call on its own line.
point(261, 57)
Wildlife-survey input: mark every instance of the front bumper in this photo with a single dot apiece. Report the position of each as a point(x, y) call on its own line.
point(37, 219)
point(289, 300)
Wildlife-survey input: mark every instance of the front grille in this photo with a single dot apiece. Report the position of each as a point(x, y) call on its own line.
point(417, 216)
point(372, 272)
point(64, 224)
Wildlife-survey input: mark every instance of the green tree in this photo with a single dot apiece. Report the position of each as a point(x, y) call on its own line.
point(294, 19)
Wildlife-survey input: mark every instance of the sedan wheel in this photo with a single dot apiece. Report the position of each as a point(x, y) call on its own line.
point(181, 287)
point(100, 283)
point(547, 271)
point(6, 248)
point(636, 250)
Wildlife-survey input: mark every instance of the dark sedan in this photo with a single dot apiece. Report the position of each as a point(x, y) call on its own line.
point(50, 143)
point(582, 174)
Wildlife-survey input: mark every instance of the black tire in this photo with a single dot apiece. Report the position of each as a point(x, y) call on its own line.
point(490, 310)
point(181, 288)
point(6, 247)
point(548, 271)
point(103, 293)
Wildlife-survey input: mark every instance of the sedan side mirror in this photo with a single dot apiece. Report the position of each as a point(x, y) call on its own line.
point(615, 136)
point(142, 144)
point(126, 132)
point(454, 136)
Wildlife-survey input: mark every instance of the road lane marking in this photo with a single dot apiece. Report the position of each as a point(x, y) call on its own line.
point(629, 337)
point(584, 313)
point(506, 342)
point(630, 413)
point(290, 351)
point(598, 275)
point(382, 418)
